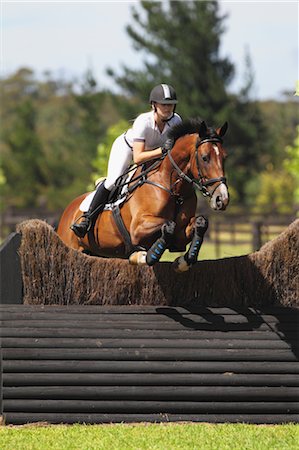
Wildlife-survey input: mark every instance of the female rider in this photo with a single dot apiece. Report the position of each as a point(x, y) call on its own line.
point(146, 140)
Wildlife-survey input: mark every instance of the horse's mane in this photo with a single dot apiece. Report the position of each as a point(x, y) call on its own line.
point(189, 126)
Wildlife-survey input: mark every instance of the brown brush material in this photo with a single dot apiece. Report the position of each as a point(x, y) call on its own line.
point(55, 274)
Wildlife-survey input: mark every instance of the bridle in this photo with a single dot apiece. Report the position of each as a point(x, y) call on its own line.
point(200, 183)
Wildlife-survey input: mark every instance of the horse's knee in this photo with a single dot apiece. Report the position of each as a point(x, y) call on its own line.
point(167, 230)
point(201, 225)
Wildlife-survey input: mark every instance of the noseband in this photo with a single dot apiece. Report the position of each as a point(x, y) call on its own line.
point(200, 182)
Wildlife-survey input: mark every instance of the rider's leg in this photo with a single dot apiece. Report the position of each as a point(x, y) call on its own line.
point(119, 159)
point(100, 198)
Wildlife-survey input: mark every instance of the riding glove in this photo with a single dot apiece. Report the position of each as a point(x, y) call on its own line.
point(167, 146)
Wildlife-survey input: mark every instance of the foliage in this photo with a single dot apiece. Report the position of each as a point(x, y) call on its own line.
point(49, 136)
point(276, 189)
point(291, 164)
point(272, 191)
point(180, 42)
point(53, 131)
point(281, 120)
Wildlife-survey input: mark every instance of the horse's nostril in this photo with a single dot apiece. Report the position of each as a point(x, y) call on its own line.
point(219, 201)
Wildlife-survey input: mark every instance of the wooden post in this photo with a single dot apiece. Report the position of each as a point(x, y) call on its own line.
point(256, 236)
point(11, 287)
point(217, 239)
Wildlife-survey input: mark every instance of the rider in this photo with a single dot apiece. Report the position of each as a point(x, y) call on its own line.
point(146, 140)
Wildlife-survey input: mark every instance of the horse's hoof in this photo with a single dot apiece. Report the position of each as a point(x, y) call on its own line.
point(138, 258)
point(180, 265)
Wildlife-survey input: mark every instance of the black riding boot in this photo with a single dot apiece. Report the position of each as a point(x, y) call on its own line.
point(100, 198)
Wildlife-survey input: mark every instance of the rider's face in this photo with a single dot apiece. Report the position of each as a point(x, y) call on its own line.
point(164, 111)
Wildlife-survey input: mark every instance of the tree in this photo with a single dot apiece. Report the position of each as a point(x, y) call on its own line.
point(49, 135)
point(180, 42)
point(20, 146)
point(291, 164)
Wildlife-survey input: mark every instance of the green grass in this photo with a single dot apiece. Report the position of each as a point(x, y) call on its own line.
point(208, 251)
point(151, 436)
point(226, 249)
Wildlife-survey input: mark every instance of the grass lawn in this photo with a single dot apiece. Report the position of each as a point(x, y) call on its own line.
point(151, 436)
point(208, 251)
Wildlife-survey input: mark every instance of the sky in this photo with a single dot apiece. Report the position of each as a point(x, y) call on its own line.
point(70, 37)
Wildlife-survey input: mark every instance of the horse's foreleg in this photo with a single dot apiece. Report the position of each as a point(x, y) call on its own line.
point(155, 252)
point(158, 248)
point(183, 263)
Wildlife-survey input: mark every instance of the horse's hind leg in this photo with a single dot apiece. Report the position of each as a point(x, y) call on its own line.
point(183, 263)
point(153, 255)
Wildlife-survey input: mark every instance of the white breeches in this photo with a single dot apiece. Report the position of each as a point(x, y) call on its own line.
point(120, 158)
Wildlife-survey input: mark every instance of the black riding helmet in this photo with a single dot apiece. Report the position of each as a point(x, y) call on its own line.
point(163, 94)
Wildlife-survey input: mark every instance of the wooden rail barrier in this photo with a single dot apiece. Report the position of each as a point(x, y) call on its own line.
point(97, 364)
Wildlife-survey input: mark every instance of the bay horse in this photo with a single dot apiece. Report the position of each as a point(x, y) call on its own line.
point(159, 211)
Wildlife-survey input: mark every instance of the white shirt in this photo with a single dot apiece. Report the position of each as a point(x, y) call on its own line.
point(145, 130)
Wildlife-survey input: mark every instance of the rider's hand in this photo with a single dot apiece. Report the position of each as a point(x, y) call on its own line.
point(167, 146)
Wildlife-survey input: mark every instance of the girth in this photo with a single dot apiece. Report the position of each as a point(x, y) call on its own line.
point(129, 247)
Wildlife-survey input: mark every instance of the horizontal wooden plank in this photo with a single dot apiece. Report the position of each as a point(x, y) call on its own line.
point(147, 309)
point(125, 333)
point(153, 407)
point(168, 315)
point(143, 354)
point(121, 343)
point(148, 379)
point(93, 366)
point(173, 393)
point(183, 324)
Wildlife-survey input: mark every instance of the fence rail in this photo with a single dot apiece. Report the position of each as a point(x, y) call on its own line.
point(252, 230)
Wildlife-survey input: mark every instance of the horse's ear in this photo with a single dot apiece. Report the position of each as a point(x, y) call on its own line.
point(221, 131)
point(203, 129)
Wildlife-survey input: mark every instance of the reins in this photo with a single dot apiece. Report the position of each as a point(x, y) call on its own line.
point(200, 183)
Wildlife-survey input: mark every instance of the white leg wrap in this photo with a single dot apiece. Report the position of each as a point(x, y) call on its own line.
point(138, 258)
point(180, 265)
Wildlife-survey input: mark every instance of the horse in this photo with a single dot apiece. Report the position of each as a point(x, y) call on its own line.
point(159, 211)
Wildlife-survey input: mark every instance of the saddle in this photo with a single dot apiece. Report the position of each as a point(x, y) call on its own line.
point(118, 194)
point(124, 185)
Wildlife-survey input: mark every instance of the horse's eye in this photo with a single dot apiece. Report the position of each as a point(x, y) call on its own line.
point(205, 158)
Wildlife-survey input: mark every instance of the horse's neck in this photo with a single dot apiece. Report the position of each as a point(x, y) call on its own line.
point(169, 172)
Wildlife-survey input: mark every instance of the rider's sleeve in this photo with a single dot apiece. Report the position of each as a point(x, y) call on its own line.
point(138, 129)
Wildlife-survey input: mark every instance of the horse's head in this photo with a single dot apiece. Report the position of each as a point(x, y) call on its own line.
point(207, 165)
point(198, 158)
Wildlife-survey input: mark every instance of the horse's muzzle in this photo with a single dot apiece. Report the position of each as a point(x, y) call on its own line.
point(220, 198)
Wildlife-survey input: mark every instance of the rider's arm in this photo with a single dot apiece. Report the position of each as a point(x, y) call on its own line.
point(140, 155)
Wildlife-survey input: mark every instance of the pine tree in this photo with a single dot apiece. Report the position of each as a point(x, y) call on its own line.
point(181, 43)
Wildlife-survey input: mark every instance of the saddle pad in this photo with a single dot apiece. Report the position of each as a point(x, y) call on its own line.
point(85, 204)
